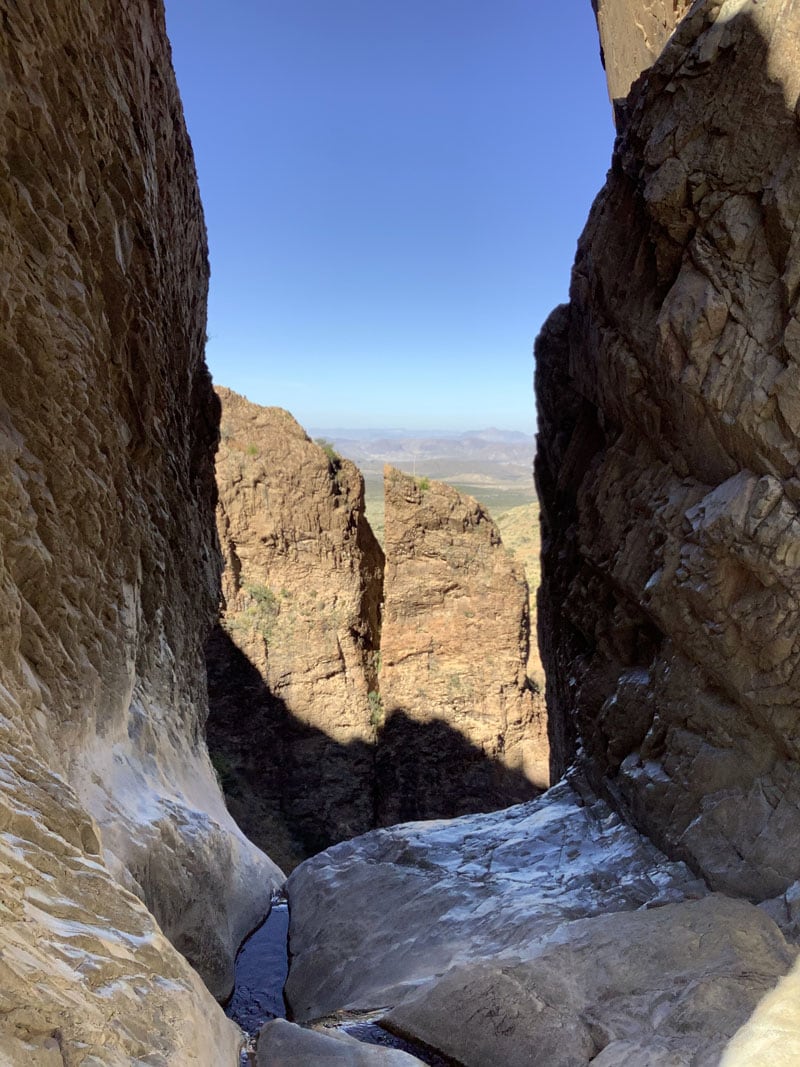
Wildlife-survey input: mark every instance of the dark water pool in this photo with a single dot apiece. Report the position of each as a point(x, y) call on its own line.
point(372, 1033)
point(261, 969)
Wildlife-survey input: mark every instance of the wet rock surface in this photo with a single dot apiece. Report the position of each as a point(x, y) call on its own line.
point(374, 918)
point(261, 969)
point(668, 459)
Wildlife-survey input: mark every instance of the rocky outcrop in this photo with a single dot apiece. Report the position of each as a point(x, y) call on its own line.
point(668, 461)
point(343, 697)
point(463, 730)
point(554, 932)
point(550, 933)
point(519, 528)
point(108, 566)
point(293, 671)
point(632, 35)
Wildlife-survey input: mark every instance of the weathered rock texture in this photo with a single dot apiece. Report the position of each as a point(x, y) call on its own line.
point(292, 720)
point(325, 720)
point(519, 528)
point(464, 731)
point(550, 933)
point(668, 460)
point(632, 35)
point(108, 565)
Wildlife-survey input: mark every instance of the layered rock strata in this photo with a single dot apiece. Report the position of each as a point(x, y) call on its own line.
point(463, 730)
point(294, 669)
point(108, 564)
point(550, 933)
point(668, 461)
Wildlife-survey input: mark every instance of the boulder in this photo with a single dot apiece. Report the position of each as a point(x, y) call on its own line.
point(657, 987)
point(551, 933)
point(374, 918)
point(284, 1044)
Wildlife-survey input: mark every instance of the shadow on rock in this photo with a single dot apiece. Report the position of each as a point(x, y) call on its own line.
point(295, 791)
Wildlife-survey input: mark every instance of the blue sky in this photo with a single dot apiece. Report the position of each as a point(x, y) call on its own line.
point(393, 192)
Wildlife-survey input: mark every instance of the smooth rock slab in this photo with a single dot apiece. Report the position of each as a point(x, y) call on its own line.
point(373, 918)
point(284, 1044)
point(663, 986)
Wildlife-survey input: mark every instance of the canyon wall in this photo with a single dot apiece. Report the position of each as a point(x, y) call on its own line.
point(348, 691)
point(668, 460)
point(464, 731)
point(108, 562)
point(293, 669)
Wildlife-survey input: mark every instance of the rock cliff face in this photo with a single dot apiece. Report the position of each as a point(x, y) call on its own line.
point(302, 589)
point(108, 566)
point(632, 35)
point(343, 698)
point(463, 730)
point(668, 460)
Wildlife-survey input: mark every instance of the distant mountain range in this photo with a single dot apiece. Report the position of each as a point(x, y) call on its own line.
point(376, 434)
point(437, 453)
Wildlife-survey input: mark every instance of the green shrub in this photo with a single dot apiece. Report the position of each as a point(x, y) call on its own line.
point(259, 615)
point(328, 449)
point(375, 709)
point(424, 483)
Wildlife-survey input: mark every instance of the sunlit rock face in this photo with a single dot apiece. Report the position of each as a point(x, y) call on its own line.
point(668, 460)
point(108, 563)
point(349, 689)
point(293, 670)
point(632, 35)
point(463, 729)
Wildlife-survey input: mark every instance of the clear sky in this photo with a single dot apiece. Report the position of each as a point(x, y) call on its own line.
point(393, 192)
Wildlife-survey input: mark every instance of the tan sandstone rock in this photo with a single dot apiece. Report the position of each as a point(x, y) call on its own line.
point(292, 671)
point(669, 457)
point(464, 730)
point(632, 36)
point(108, 566)
point(284, 1044)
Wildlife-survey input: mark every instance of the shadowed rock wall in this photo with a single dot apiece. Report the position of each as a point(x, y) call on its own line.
point(668, 459)
point(454, 650)
point(108, 563)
